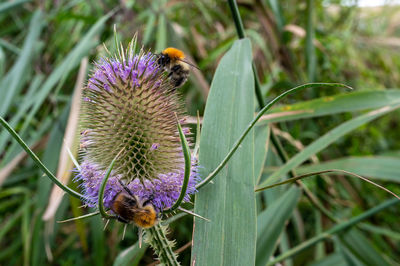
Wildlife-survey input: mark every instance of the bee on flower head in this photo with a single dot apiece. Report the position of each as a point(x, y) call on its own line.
point(172, 61)
point(131, 209)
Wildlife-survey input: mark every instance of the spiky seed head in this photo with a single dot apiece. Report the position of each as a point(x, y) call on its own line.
point(129, 106)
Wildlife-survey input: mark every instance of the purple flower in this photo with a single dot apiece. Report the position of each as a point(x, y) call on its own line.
point(129, 108)
point(163, 190)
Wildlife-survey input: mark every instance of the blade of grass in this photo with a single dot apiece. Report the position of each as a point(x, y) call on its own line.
point(325, 141)
point(310, 49)
point(25, 231)
point(130, 256)
point(8, 224)
point(7, 253)
point(376, 167)
point(161, 40)
point(37, 160)
point(62, 70)
point(43, 186)
point(7, 6)
point(254, 121)
point(261, 140)
point(295, 178)
point(334, 230)
point(272, 221)
point(65, 164)
point(25, 105)
point(362, 248)
point(11, 85)
point(330, 105)
point(148, 31)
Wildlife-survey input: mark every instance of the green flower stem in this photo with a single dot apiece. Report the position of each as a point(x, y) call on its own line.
point(236, 18)
point(251, 125)
point(188, 164)
point(334, 230)
point(100, 201)
point(38, 162)
point(161, 245)
point(257, 87)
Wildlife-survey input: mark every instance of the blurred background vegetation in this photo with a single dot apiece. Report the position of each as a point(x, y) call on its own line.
point(46, 48)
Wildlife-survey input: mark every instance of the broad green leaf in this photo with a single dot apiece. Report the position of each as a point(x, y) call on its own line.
point(325, 141)
point(272, 221)
point(130, 256)
point(376, 167)
point(344, 102)
point(230, 237)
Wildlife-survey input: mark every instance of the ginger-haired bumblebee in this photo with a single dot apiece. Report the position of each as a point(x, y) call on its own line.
point(173, 61)
point(131, 209)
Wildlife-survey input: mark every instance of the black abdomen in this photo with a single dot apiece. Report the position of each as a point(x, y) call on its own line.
point(178, 75)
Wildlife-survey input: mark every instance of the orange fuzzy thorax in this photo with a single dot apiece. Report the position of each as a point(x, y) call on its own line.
point(174, 53)
point(145, 218)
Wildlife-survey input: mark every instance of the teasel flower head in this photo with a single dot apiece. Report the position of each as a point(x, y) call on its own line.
point(130, 108)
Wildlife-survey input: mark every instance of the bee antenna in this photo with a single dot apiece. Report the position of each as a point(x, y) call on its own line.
point(125, 187)
point(190, 64)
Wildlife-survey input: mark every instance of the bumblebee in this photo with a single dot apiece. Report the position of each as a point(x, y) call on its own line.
point(130, 209)
point(172, 61)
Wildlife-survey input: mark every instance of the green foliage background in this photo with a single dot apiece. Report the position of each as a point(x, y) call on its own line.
point(43, 43)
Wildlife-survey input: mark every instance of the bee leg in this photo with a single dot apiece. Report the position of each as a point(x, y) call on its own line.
point(149, 200)
point(176, 68)
point(179, 82)
point(122, 220)
point(125, 187)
